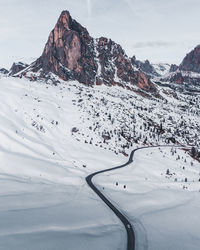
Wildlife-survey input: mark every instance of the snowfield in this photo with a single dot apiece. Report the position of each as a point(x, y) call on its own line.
point(44, 200)
point(52, 137)
point(162, 207)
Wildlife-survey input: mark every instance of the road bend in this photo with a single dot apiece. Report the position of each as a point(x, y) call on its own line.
point(129, 228)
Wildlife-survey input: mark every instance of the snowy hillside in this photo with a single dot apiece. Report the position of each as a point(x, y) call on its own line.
point(52, 137)
point(161, 198)
point(44, 195)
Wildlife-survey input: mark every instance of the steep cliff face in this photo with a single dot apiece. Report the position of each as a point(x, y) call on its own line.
point(114, 67)
point(145, 67)
point(71, 53)
point(188, 71)
point(191, 62)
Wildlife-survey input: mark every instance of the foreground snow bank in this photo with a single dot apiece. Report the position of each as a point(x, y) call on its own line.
point(44, 200)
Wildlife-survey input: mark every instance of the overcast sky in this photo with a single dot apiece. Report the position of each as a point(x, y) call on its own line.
point(158, 30)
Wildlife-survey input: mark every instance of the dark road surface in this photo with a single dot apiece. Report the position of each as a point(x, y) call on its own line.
point(124, 220)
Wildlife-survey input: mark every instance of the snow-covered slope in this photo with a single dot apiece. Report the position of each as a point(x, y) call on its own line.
point(43, 192)
point(54, 136)
point(161, 198)
point(161, 68)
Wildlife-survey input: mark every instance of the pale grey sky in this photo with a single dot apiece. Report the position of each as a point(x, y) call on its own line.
point(158, 30)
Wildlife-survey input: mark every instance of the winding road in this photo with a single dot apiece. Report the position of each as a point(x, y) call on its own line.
point(124, 220)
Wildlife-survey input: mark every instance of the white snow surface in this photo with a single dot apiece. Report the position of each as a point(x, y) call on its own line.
point(161, 68)
point(162, 207)
point(45, 202)
point(189, 74)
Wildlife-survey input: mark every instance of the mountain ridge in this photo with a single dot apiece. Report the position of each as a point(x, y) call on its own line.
point(72, 54)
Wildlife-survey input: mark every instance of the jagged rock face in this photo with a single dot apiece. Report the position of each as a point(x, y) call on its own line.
point(192, 61)
point(71, 53)
point(145, 66)
point(3, 71)
point(173, 68)
point(17, 67)
point(177, 78)
point(188, 71)
point(114, 67)
point(182, 77)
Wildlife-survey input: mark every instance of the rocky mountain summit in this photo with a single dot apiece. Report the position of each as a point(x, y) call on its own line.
point(72, 54)
point(188, 72)
point(191, 62)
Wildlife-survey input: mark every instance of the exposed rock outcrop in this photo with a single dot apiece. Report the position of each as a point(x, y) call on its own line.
point(72, 54)
point(188, 72)
point(177, 78)
point(146, 67)
point(3, 71)
point(173, 68)
point(17, 67)
point(191, 62)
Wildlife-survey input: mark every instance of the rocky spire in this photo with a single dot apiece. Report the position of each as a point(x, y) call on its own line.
point(71, 53)
point(67, 51)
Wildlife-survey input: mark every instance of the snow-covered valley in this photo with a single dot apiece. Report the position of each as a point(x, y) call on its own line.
point(52, 137)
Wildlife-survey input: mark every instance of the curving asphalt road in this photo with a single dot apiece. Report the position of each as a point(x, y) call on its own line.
point(124, 220)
